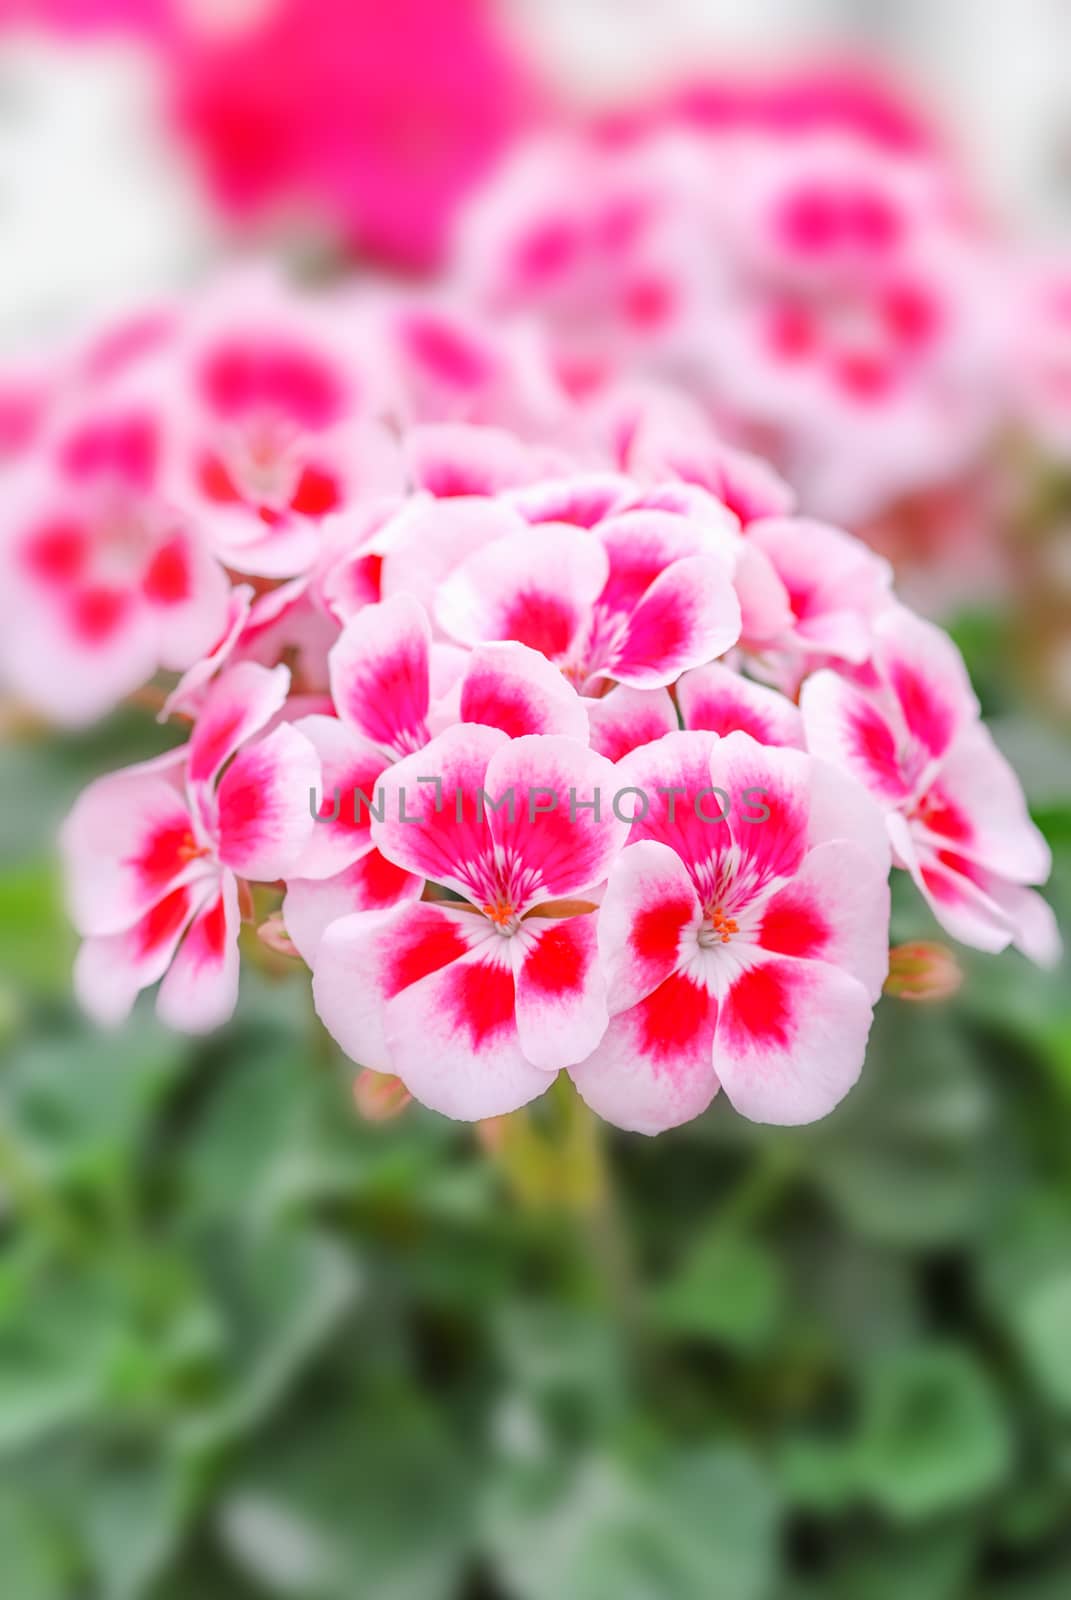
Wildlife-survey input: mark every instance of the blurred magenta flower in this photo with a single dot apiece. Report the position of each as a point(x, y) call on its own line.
point(373, 118)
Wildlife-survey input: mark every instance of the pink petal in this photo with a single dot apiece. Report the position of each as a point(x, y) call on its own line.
point(761, 778)
point(842, 809)
point(264, 821)
point(380, 675)
point(927, 675)
point(674, 776)
point(583, 500)
point(189, 594)
point(433, 828)
point(561, 992)
point(454, 1040)
point(455, 459)
point(429, 539)
point(836, 585)
point(836, 909)
point(128, 841)
point(364, 959)
point(111, 969)
point(720, 699)
point(649, 906)
point(625, 719)
point(538, 590)
point(654, 1068)
point(845, 727)
point(511, 687)
point(688, 615)
point(976, 806)
point(640, 546)
point(188, 692)
point(200, 990)
point(350, 768)
point(372, 883)
point(238, 705)
point(564, 833)
point(791, 1039)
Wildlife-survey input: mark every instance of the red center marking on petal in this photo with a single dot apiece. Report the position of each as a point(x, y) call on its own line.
point(316, 493)
point(875, 745)
point(928, 718)
point(214, 745)
point(163, 921)
point(865, 375)
point(791, 331)
point(213, 928)
point(757, 1010)
point(656, 932)
point(167, 581)
point(215, 481)
point(911, 314)
point(383, 881)
point(57, 551)
point(547, 251)
point(446, 353)
point(484, 1000)
point(941, 816)
point(166, 853)
point(436, 947)
point(541, 621)
point(793, 927)
point(96, 612)
point(558, 962)
point(648, 303)
point(671, 1017)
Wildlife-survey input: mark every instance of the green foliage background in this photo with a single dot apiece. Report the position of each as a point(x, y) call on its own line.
point(252, 1346)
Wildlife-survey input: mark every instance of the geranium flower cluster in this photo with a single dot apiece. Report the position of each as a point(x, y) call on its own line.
point(563, 744)
point(828, 293)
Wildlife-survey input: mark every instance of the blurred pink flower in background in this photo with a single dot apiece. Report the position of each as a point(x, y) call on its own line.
point(367, 117)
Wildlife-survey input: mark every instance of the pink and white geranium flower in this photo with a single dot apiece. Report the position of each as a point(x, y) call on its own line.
point(744, 932)
point(909, 730)
point(833, 588)
point(392, 688)
point(106, 580)
point(636, 599)
point(279, 433)
point(476, 1003)
point(156, 854)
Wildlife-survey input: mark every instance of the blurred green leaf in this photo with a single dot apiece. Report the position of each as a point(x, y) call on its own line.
point(37, 942)
point(371, 1499)
point(933, 1436)
point(1025, 1277)
point(702, 1522)
point(79, 1104)
point(278, 1298)
point(728, 1289)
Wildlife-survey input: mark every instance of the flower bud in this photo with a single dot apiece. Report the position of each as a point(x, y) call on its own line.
point(379, 1096)
point(272, 932)
point(923, 970)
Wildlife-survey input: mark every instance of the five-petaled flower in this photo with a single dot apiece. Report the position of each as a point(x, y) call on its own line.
point(476, 1002)
point(746, 952)
point(155, 855)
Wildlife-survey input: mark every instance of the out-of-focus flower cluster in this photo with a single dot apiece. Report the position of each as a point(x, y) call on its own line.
point(562, 740)
point(829, 298)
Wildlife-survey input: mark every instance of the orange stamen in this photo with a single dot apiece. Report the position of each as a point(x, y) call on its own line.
point(501, 913)
point(723, 926)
